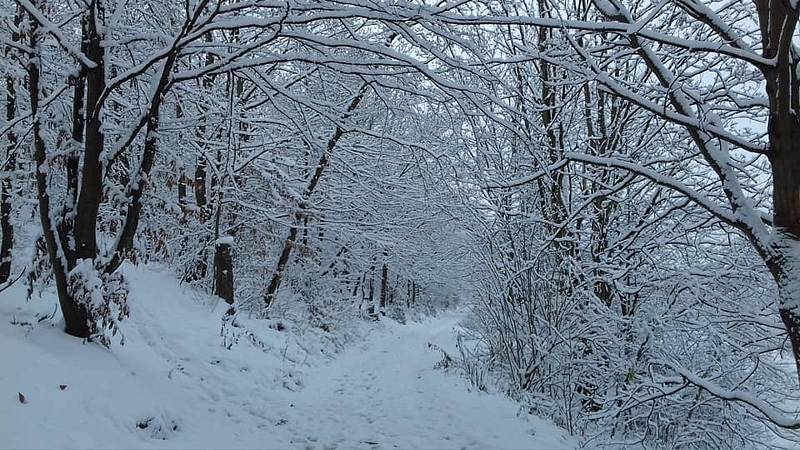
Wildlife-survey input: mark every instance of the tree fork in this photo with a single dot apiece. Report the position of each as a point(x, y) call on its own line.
point(76, 316)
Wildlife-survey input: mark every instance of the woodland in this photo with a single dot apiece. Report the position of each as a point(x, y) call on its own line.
point(610, 189)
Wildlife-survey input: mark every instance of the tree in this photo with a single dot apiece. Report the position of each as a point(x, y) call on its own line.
point(705, 69)
point(90, 289)
point(9, 165)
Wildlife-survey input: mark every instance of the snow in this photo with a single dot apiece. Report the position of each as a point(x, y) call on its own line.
point(174, 385)
point(393, 397)
point(224, 240)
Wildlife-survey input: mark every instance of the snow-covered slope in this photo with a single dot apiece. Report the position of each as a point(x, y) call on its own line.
point(174, 385)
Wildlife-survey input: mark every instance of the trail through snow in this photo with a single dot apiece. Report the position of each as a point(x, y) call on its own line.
point(386, 393)
point(173, 385)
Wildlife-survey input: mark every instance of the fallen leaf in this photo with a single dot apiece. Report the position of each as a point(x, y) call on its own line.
point(21, 398)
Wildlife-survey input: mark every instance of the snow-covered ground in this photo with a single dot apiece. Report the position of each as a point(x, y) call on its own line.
point(174, 385)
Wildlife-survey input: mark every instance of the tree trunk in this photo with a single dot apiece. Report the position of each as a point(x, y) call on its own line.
point(90, 195)
point(283, 259)
point(6, 228)
point(200, 269)
point(76, 316)
point(135, 191)
point(201, 200)
point(384, 286)
point(78, 124)
point(223, 272)
point(223, 257)
point(785, 262)
point(355, 288)
point(778, 21)
point(371, 309)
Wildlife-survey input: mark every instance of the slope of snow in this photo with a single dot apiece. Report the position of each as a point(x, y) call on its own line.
point(174, 385)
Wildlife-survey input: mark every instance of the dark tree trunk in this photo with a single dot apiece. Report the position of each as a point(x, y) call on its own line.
point(778, 21)
point(223, 272)
point(6, 188)
point(76, 317)
point(201, 200)
point(785, 261)
point(384, 286)
point(283, 259)
point(371, 309)
point(90, 195)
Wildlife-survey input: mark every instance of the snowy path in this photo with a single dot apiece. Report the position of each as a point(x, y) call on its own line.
point(385, 393)
point(173, 385)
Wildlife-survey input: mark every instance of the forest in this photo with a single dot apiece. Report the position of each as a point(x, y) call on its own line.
point(583, 213)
